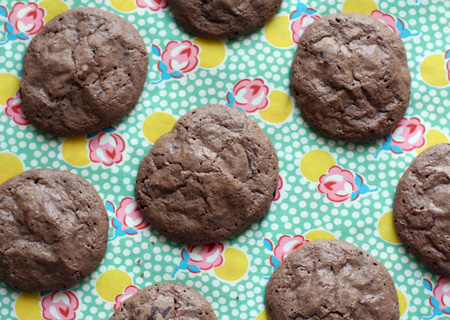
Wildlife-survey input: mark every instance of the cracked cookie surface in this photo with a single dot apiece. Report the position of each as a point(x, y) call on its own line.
point(53, 230)
point(331, 279)
point(209, 178)
point(167, 300)
point(83, 71)
point(350, 77)
point(223, 18)
point(422, 208)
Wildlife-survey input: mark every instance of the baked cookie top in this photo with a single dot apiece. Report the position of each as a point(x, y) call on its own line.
point(209, 178)
point(167, 300)
point(422, 208)
point(54, 230)
point(350, 77)
point(83, 71)
point(223, 18)
point(331, 279)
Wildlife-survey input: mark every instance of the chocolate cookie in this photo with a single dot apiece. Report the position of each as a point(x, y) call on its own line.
point(223, 18)
point(331, 279)
point(83, 71)
point(422, 208)
point(350, 77)
point(209, 178)
point(53, 230)
point(166, 300)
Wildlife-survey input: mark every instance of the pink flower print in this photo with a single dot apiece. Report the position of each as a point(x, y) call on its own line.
point(447, 57)
point(299, 25)
point(408, 134)
point(180, 56)
point(60, 305)
point(26, 19)
point(440, 297)
point(442, 292)
point(338, 184)
point(278, 190)
point(14, 110)
point(201, 258)
point(249, 95)
point(387, 19)
point(178, 59)
point(130, 216)
point(398, 26)
point(153, 5)
point(287, 244)
point(106, 148)
point(128, 292)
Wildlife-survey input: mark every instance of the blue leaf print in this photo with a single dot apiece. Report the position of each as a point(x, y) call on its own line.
point(156, 51)
point(193, 268)
point(109, 129)
point(3, 12)
point(185, 255)
point(116, 223)
point(295, 15)
point(427, 284)
point(268, 244)
point(396, 149)
point(109, 206)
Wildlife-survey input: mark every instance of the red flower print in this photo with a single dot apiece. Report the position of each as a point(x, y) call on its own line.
point(338, 184)
point(408, 134)
point(287, 244)
point(60, 305)
point(14, 110)
point(127, 292)
point(106, 148)
point(279, 187)
point(180, 56)
point(153, 5)
point(26, 19)
point(129, 215)
point(249, 95)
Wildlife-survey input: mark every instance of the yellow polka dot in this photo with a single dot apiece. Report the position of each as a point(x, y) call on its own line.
point(10, 165)
point(111, 283)
point(359, 6)
point(402, 302)
point(433, 137)
point(234, 267)
point(27, 306)
point(53, 8)
point(263, 315)
point(212, 52)
point(278, 33)
point(386, 228)
point(75, 152)
point(157, 124)
point(124, 5)
point(9, 85)
point(316, 163)
point(433, 70)
point(279, 109)
point(319, 235)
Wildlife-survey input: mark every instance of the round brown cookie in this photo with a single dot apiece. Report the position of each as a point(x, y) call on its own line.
point(350, 77)
point(209, 178)
point(223, 18)
point(167, 300)
point(53, 230)
point(422, 208)
point(83, 71)
point(331, 279)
